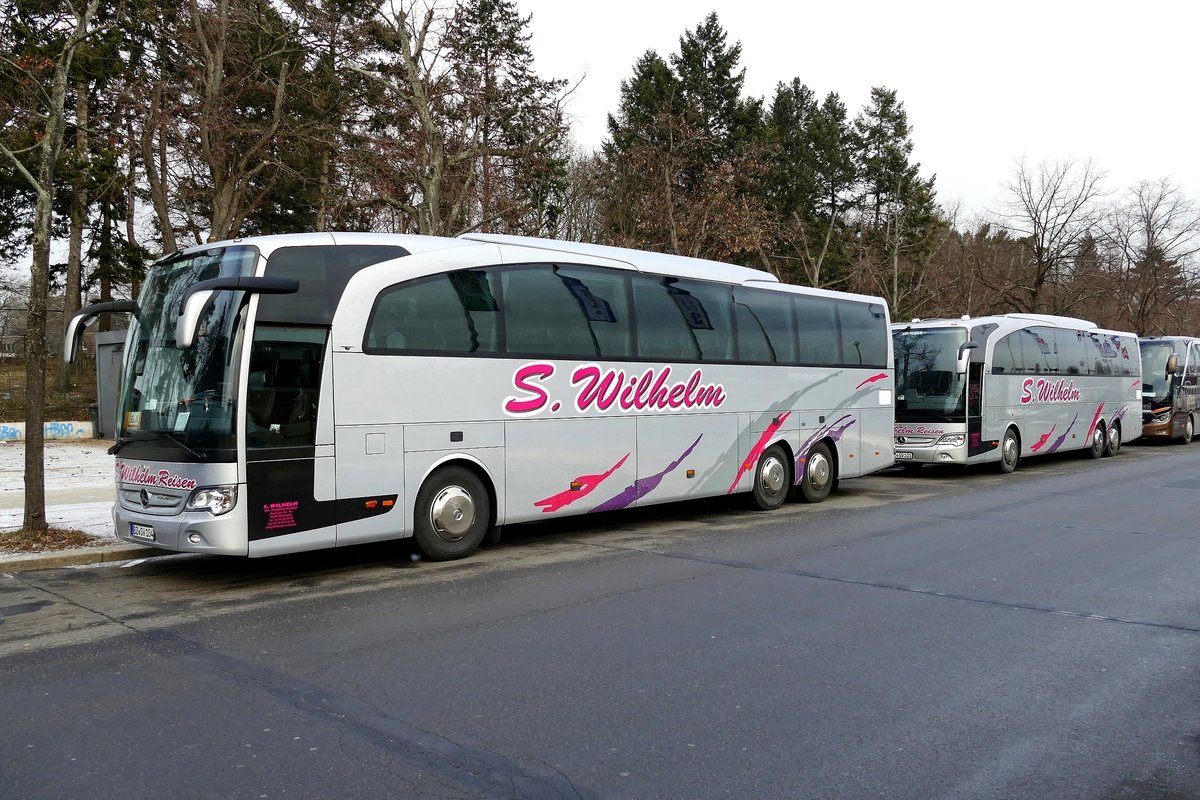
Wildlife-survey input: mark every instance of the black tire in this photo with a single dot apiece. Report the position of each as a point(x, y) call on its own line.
point(452, 514)
point(1099, 441)
point(1189, 430)
point(772, 478)
point(820, 474)
point(1113, 444)
point(1010, 451)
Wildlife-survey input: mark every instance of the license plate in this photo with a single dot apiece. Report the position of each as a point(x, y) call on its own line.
point(141, 532)
point(901, 455)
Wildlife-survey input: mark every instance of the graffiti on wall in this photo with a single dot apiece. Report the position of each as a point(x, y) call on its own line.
point(15, 431)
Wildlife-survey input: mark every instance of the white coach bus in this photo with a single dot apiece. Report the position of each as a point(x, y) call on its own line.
point(1004, 387)
point(288, 393)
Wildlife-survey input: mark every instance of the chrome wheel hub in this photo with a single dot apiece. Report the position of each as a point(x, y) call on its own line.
point(772, 476)
point(817, 471)
point(452, 513)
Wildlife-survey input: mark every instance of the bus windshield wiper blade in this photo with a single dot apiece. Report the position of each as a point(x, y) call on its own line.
point(173, 439)
point(124, 440)
point(157, 435)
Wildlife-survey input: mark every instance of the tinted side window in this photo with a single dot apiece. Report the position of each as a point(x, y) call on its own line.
point(1103, 354)
point(602, 298)
point(817, 325)
point(542, 316)
point(451, 313)
point(1007, 358)
point(1129, 348)
point(864, 334)
point(323, 272)
point(765, 326)
point(1038, 346)
point(663, 331)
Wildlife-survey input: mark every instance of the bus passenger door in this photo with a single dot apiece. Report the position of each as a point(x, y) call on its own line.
point(289, 473)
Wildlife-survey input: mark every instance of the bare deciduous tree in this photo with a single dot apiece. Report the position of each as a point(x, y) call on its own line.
point(1154, 235)
point(1051, 209)
point(44, 111)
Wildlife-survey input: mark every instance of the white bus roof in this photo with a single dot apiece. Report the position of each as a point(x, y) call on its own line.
point(683, 266)
point(511, 248)
point(1007, 322)
point(413, 243)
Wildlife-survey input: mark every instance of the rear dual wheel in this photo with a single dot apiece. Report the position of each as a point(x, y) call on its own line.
point(1113, 445)
point(1099, 441)
point(772, 478)
point(820, 474)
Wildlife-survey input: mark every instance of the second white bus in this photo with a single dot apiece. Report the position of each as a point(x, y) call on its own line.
point(1002, 388)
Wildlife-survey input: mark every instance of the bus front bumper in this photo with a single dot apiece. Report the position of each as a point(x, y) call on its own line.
point(187, 532)
point(932, 454)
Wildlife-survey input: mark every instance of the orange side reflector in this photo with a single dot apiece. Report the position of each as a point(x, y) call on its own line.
point(576, 486)
point(691, 473)
point(389, 503)
point(372, 503)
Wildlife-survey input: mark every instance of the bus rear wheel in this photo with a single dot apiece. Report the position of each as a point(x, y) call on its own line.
point(1010, 451)
point(820, 474)
point(1099, 445)
point(452, 514)
point(772, 479)
point(1114, 441)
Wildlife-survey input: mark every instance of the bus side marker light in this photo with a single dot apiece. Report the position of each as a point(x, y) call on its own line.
point(372, 503)
point(389, 503)
point(576, 486)
point(691, 473)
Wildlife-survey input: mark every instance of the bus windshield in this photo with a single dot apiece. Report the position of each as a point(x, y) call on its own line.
point(182, 402)
point(1156, 383)
point(928, 386)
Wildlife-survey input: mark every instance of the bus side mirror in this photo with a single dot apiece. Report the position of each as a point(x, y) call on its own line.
point(1172, 363)
point(198, 296)
point(963, 350)
point(81, 318)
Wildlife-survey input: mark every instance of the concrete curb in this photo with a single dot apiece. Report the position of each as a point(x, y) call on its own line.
point(21, 562)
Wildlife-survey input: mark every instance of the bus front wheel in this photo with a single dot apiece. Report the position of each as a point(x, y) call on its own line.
point(1010, 451)
point(1189, 430)
point(772, 479)
point(820, 474)
point(452, 514)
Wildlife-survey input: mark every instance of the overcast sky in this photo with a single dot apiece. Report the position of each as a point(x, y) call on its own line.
point(984, 85)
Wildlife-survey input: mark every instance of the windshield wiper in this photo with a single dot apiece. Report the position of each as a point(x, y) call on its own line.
point(159, 436)
point(124, 440)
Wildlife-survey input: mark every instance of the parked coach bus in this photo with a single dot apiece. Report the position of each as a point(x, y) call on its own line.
point(1001, 388)
point(287, 393)
point(1170, 387)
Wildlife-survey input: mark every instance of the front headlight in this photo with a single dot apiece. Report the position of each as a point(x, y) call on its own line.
point(215, 499)
point(1164, 417)
point(953, 440)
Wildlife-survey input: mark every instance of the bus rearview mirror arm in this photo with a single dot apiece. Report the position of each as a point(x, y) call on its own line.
point(961, 361)
point(81, 318)
point(199, 295)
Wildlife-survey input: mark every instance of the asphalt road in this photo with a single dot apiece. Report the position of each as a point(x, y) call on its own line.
point(938, 635)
